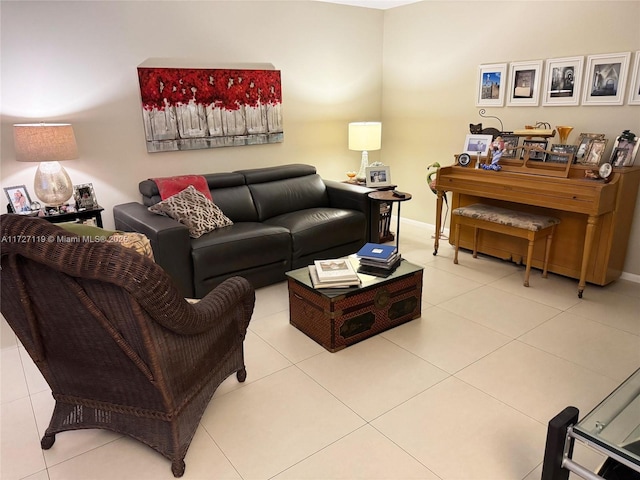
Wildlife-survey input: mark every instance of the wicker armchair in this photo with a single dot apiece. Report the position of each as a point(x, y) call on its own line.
point(117, 344)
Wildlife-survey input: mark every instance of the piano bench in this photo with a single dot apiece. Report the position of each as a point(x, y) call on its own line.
point(510, 222)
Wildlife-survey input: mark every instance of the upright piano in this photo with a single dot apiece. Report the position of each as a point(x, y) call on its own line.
point(590, 244)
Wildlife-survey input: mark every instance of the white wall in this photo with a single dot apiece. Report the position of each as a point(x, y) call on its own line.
point(76, 62)
point(413, 67)
point(431, 55)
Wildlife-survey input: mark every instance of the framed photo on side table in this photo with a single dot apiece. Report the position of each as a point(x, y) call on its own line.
point(562, 82)
point(605, 79)
point(524, 83)
point(19, 199)
point(85, 196)
point(492, 82)
point(379, 176)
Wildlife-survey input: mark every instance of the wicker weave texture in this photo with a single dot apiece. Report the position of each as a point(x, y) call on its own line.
point(117, 344)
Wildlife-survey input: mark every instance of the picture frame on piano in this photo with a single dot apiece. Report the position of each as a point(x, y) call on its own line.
point(584, 144)
point(537, 148)
point(595, 152)
point(510, 145)
point(624, 151)
point(572, 149)
point(477, 144)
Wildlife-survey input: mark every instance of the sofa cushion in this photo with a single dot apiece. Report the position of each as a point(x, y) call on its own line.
point(191, 208)
point(239, 247)
point(318, 229)
point(289, 195)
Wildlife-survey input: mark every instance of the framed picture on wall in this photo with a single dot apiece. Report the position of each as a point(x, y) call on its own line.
point(562, 81)
point(605, 79)
point(634, 94)
point(524, 83)
point(492, 81)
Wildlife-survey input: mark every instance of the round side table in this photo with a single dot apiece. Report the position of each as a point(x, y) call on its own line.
point(387, 196)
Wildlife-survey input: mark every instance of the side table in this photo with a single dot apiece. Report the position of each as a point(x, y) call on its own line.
point(387, 196)
point(94, 213)
point(384, 232)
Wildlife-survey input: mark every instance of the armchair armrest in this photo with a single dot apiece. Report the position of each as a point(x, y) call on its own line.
point(355, 197)
point(169, 239)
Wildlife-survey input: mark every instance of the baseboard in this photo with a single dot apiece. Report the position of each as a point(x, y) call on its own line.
point(631, 277)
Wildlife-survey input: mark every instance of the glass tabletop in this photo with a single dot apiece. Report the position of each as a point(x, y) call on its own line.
point(405, 268)
point(614, 424)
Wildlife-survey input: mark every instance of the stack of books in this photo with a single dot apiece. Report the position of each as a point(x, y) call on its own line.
point(333, 273)
point(379, 260)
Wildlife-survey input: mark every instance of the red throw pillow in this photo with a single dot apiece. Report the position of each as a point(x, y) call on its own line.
point(169, 186)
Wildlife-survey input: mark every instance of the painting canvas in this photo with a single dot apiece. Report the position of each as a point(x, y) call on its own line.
point(196, 108)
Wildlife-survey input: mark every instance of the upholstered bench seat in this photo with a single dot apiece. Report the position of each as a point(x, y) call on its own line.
point(510, 222)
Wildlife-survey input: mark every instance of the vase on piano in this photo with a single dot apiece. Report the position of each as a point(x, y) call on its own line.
point(564, 132)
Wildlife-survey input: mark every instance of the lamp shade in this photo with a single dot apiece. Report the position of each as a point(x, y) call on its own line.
point(44, 142)
point(365, 136)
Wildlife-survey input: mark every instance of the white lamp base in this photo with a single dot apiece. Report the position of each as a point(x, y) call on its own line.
point(361, 176)
point(52, 184)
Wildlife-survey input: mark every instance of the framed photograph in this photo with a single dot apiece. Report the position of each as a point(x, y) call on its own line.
point(524, 83)
point(85, 196)
point(536, 151)
point(634, 94)
point(477, 144)
point(584, 144)
point(19, 199)
point(510, 144)
point(605, 79)
point(379, 176)
point(492, 81)
point(572, 149)
point(595, 152)
point(624, 152)
point(562, 81)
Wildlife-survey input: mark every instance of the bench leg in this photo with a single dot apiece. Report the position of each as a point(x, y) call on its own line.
point(475, 242)
point(547, 251)
point(457, 242)
point(527, 272)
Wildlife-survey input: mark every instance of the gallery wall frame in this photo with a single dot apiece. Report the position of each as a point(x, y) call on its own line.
point(634, 93)
point(492, 82)
point(524, 83)
point(605, 79)
point(562, 81)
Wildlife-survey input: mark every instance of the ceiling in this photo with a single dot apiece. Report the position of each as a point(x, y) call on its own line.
point(379, 4)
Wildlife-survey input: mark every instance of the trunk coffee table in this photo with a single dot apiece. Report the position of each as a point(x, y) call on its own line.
point(337, 318)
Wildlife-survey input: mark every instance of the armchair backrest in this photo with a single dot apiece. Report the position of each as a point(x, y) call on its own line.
point(85, 311)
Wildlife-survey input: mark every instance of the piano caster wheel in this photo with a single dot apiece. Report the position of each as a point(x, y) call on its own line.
point(580, 293)
point(435, 252)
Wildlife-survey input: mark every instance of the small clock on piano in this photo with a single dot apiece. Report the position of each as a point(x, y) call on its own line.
point(464, 159)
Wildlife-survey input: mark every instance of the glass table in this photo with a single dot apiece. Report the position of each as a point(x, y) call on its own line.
point(612, 428)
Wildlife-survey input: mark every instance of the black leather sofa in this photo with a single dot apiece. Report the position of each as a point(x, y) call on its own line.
point(284, 218)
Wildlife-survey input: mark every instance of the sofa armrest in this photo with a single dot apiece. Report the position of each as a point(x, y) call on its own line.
point(355, 197)
point(169, 239)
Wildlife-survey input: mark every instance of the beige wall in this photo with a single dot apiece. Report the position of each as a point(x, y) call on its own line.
point(413, 67)
point(76, 62)
point(431, 55)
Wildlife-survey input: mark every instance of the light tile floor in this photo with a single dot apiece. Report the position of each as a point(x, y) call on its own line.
point(465, 392)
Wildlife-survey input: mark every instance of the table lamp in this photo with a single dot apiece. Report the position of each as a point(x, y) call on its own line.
point(47, 143)
point(364, 136)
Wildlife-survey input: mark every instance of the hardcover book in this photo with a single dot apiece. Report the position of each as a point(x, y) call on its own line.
point(376, 251)
point(339, 269)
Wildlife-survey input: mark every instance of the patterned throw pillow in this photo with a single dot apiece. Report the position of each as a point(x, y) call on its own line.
point(194, 210)
point(134, 240)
